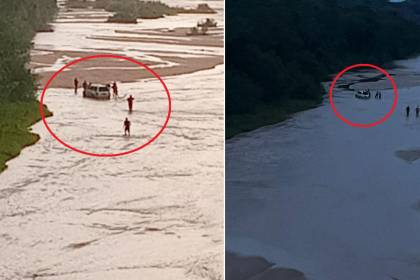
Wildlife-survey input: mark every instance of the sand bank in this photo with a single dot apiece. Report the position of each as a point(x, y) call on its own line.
point(214, 38)
point(355, 80)
point(257, 268)
point(106, 70)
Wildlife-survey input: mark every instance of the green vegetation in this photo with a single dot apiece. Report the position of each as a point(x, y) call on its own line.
point(133, 9)
point(142, 9)
point(19, 20)
point(15, 118)
point(128, 11)
point(278, 52)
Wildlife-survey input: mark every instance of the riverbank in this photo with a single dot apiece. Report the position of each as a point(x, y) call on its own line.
point(257, 268)
point(170, 65)
point(19, 109)
point(15, 134)
point(266, 115)
point(269, 168)
point(165, 47)
point(269, 70)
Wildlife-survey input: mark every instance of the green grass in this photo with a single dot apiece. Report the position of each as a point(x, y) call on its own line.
point(15, 134)
point(265, 115)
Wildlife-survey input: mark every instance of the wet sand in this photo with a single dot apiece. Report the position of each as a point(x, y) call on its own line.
point(125, 72)
point(45, 58)
point(214, 37)
point(404, 77)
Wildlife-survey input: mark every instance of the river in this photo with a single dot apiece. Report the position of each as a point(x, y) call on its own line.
point(154, 214)
point(330, 200)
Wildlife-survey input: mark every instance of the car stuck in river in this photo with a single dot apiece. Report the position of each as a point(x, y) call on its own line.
point(97, 91)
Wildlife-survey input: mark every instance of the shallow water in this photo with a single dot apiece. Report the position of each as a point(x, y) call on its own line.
point(155, 214)
point(333, 201)
point(97, 126)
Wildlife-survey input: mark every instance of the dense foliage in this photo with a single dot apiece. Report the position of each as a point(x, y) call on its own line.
point(409, 9)
point(19, 21)
point(128, 9)
point(131, 10)
point(278, 52)
point(140, 9)
point(15, 118)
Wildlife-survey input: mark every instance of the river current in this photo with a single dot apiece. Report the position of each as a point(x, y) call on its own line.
point(154, 214)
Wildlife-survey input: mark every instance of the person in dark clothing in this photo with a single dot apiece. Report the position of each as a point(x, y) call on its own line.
point(127, 125)
point(130, 100)
point(407, 111)
point(76, 85)
point(115, 89)
point(84, 85)
point(417, 111)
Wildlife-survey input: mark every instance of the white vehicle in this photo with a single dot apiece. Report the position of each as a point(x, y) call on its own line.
point(363, 94)
point(98, 92)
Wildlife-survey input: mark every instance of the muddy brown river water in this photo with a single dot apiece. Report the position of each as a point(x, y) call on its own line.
point(155, 214)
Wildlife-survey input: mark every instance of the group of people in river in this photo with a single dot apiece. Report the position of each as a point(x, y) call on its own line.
point(130, 99)
point(407, 111)
point(86, 85)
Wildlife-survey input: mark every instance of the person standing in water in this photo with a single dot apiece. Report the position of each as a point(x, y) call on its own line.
point(84, 85)
point(76, 85)
point(407, 111)
point(127, 125)
point(417, 111)
point(115, 89)
point(130, 100)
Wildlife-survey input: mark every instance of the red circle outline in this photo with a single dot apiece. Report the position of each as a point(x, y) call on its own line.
point(364, 125)
point(41, 105)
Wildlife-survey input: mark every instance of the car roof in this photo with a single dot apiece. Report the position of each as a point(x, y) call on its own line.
point(97, 85)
